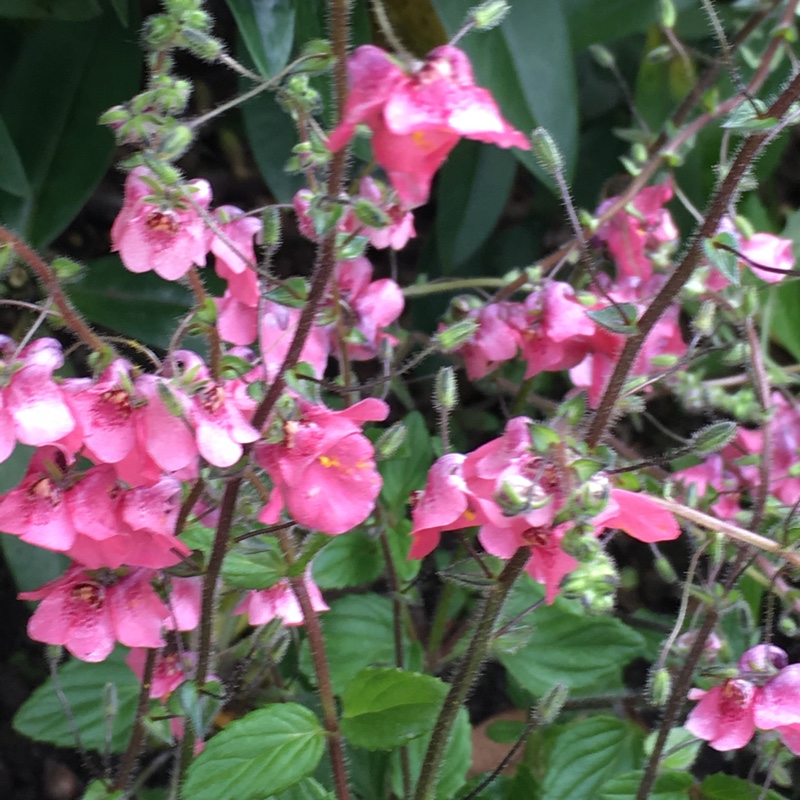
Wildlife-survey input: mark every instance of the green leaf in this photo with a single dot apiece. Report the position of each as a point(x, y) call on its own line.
point(670, 785)
point(722, 258)
point(726, 787)
point(473, 187)
point(307, 789)
point(566, 646)
point(587, 754)
point(457, 760)
point(267, 29)
point(142, 306)
point(681, 749)
point(269, 749)
point(64, 76)
point(359, 631)
point(42, 717)
point(620, 318)
point(386, 707)
point(353, 559)
point(408, 469)
point(253, 570)
point(12, 174)
point(527, 65)
point(71, 10)
point(97, 790)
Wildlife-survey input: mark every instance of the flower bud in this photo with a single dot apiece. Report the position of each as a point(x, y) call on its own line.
point(370, 214)
point(200, 44)
point(550, 705)
point(518, 495)
point(489, 14)
point(271, 232)
point(593, 583)
point(65, 268)
point(602, 55)
point(594, 493)
point(665, 570)
point(391, 440)
point(659, 687)
point(317, 56)
point(546, 151)
point(174, 143)
point(456, 335)
point(666, 13)
point(445, 392)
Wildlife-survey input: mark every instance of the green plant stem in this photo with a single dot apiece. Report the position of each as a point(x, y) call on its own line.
point(49, 281)
point(456, 285)
point(720, 204)
point(467, 672)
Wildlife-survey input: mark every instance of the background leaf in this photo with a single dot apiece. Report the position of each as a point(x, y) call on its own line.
point(12, 174)
point(41, 716)
point(354, 559)
point(267, 29)
point(267, 750)
point(63, 77)
point(671, 785)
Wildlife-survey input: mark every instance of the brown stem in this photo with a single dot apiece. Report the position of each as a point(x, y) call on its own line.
point(137, 735)
point(718, 208)
point(214, 342)
point(50, 282)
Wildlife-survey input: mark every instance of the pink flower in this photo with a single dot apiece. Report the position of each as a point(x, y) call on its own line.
point(170, 670)
point(324, 469)
point(724, 715)
point(768, 250)
point(280, 602)
point(401, 221)
point(167, 236)
point(634, 237)
point(32, 406)
point(446, 504)
point(88, 613)
point(418, 118)
point(236, 258)
point(638, 516)
point(277, 328)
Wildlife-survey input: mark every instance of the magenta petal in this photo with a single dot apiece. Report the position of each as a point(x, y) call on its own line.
point(778, 702)
point(640, 517)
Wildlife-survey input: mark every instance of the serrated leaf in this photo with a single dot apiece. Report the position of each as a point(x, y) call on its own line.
point(268, 749)
point(566, 646)
point(267, 29)
point(722, 258)
point(42, 717)
point(359, 632)
point(668, 786)
point(587, 754)
point(620, 318)
point(253, 570)
point(386, 707)
point(350, 560)
point(473, 187)
point(748, 117)
point(293, 292)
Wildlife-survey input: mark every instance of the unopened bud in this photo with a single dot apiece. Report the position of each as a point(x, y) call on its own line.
point(788, 626)
point(659, 687)
point(489, 14)
point(391, 440)
point(594, 494)
point(546, 151)
point(602, 55)
point(114, 117)
point(370, 214)
point(551, 704)
point(316, 56)
point(664, 570)
point(66, 268)
point(705, 319)
point(175, 142)
point(666, 13)
point(271, 232)
point(456, 335)
point(445, 393)
point(201, 44)
point(518, 494)
point(713, 437)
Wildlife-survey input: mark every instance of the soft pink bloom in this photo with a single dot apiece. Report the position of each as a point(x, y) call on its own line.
point(401, 226)
point(237, 322)
point(277, 328)
point(235, 258)
point(418, 118)
point(170, 670)
point(32, 406)
point(635, 236)
point(724, 715)
point(280, 602)
point(167, 238)
point(324, 469)
point(446, 504)
point(714, 473)
point(768, 250)
point(496, 339)
point(88, 613)
point(639, 516)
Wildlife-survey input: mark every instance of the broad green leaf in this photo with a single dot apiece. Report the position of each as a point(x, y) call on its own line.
point(473, 187)
point(680, 751)
point(527, 65)
point(307, 789)
point(64, 76)
point(267, 28)
point(587, 754)
point(98, 790)
point(566, 646)
point(358, 631)
point(142, 306)
point(400, 545)
point(457, 760)
point(12, 174)
point(407, 470)
point(385, 707)
point(620, 318)
point(353, 559)
point(672, 785)
point(253, 570)
point(42, 717)
point(591, 21)
point(726, 787)
point(267, 750)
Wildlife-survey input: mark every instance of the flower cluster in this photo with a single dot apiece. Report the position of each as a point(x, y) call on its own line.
point(764, 695)
point(520, 496)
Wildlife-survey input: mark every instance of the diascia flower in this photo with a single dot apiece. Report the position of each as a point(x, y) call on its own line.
point(417, 118)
